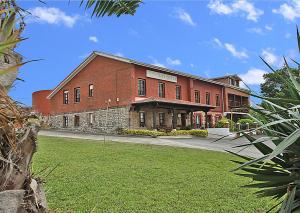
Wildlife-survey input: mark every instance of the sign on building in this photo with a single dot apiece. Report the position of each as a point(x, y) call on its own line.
point(161, 76)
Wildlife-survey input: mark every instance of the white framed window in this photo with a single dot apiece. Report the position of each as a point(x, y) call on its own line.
point(178, 92)
point(91, 90)
point(76, 121)
point(65, 121)
point(161, 90)
point(77, 94)
point(91, 119)
point(65, 97)
point(142, 119)
point(141, 87)
point(161, 118)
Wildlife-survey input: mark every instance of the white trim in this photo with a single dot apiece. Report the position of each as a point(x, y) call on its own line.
point(240, 113)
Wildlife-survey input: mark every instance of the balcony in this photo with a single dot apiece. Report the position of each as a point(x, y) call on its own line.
point(237, 103)
point(233, 104)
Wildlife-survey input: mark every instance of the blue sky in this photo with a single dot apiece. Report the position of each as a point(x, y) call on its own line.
point(205, 38)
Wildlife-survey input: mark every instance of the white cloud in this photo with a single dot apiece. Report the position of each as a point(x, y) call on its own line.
point(192, 65)
point(93, 39)
point(269, 56)
point(259, 30)
point(237, 7)
point(256, 30)
point(119, 54)
point(218, 42)
point(252, 13)
point(52, 15)
point(289, 11)
point(253, 76)
point(156, 63)
point(184, 16)
point(287, 35)
point(134, 33)
point(171, 61)
point(238, 54)
point(231, 48)
point(219, 8)
point(268, 27)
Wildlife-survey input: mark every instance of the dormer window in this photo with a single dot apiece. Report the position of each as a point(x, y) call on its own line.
point(234, 82)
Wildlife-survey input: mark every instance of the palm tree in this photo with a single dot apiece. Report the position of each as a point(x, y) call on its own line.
point(102, 8)
point(277, 172)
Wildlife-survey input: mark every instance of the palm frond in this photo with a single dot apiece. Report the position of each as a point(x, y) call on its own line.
point(102, 8)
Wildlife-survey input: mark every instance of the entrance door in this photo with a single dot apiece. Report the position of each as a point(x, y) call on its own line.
point(183, 120)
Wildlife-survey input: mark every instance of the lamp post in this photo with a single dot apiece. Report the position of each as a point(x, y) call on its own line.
point(106, 117)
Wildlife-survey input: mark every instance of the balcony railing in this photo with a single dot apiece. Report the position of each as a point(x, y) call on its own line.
point(235, 104)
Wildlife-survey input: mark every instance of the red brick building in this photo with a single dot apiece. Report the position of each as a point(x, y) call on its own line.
point(107, 92)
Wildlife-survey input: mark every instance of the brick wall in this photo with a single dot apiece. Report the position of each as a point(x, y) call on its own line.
point(111, 80)
point(40, 103)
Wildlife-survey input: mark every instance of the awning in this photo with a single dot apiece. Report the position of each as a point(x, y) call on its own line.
point(171, 104)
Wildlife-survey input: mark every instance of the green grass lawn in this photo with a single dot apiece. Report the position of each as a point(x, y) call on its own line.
point(122, 177)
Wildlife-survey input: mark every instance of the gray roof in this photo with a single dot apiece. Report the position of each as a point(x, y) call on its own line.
point(130, 61)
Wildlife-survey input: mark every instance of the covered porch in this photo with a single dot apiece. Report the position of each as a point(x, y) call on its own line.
point(165, 115)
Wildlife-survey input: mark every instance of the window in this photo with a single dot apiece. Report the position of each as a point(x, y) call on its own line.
point(161, 118)
point(197, 120)
point(91, 90)
point(161, 90)
point(76, 120)
point(65, 121)
point(91, 119)
point(77, 94)
point(66, 97)
point(197, 96)
point(178, 92)
point(237, 83)
point(207, 98)
point(141, 87)
point(142, 119)
point(218, 100)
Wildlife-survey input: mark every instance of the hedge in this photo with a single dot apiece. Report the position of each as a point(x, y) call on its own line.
point(246, 120)
point(152, 133)
point(223, 122)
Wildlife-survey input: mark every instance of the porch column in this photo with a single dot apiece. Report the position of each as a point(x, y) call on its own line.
point(192, 119)
point(174, 121)
point(154, 119)
point(241, 101)
point(206, 119)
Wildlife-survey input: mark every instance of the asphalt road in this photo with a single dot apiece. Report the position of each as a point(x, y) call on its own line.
point(186, 142)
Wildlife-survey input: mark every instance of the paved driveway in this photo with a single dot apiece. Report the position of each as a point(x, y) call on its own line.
point(194, 142)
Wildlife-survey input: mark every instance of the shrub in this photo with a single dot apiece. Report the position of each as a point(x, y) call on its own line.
point(199, 133)
point(144, 132)
point(223, 122)
point(152, 133)
point(245, 120)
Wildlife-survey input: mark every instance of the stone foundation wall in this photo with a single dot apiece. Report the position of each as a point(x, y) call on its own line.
point(116, 118)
